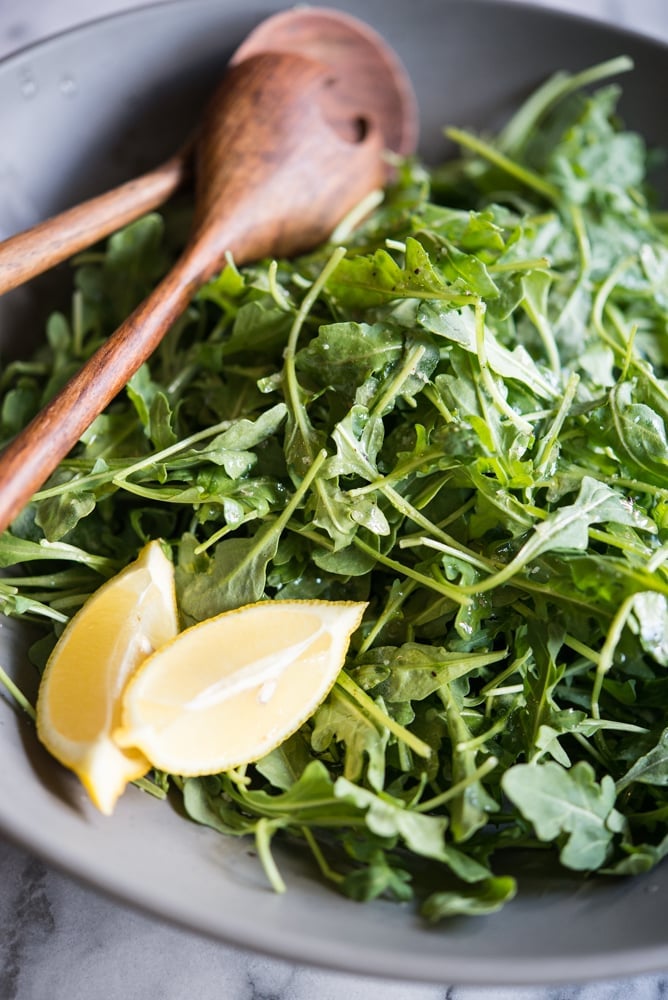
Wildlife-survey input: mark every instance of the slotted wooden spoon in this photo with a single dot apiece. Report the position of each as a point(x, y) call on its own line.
point(330, 37)
point(292, 140)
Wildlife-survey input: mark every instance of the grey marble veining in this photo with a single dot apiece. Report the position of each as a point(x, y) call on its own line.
point(62, 941)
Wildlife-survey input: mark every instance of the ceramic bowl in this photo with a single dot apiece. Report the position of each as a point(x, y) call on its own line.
point(97, 105)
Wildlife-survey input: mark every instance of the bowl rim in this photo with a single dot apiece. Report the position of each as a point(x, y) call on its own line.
point(491, 972)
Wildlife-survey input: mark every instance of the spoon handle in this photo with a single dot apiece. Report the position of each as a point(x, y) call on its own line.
point(274, 176)
point(35, 250)
point(36, 451)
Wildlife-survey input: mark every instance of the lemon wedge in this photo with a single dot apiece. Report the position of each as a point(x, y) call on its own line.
point(228, 690)
point(79, 699)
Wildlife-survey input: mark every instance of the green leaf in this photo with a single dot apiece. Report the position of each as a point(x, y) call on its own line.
point(358, 439)
point(205, 805)
point(340, 719)
point(485, 897)
point(245, 434)
point(469, 273)
point(414, 671)
point(651, 768)
point(310, 801)
point(343, 355)
point(567, 804)
point(640, 859)
point(58, 515)
point(234, 577)
point(378, 878)
point(567, 529)
point(14, 551)
point(365, 281)
point(470, 809)
point(386, 817)
point(640, 431)
point(458, 327)
point(650, 610)
point(286, 763)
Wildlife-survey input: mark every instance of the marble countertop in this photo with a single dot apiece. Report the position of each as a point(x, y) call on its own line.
point(62, 941)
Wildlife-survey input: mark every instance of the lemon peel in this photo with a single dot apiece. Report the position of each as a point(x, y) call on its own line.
point(79, 698)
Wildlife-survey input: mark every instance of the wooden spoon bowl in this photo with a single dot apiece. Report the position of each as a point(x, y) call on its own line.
point(365, 70)
point(288, 146)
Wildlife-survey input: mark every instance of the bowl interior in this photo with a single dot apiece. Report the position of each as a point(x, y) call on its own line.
point(95, 106)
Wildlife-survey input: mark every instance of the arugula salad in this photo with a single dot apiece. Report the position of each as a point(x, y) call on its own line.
point(456, 411)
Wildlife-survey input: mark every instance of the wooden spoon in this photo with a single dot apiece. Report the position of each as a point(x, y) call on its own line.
point(285, 151)
point(335, 39)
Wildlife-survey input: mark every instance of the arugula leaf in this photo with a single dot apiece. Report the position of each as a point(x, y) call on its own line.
point(651, 768)
point(341, 720)
point(424, 835)
point(570, 803)
point(366, 281)
point(461, 418)
point(344, 355)
point(477, 900)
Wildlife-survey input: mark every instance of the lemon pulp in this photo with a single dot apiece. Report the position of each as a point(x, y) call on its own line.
point(228, 690)
point(79, 699)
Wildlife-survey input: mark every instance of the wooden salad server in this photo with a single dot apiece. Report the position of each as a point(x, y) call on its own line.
point(294, 138)
point(331, 37)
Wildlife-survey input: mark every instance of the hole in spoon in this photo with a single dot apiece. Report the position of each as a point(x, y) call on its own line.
point(359, 128)
point(348, 123)
point(353, 129)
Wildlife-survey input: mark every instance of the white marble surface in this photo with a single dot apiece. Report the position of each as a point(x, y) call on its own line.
point(61, 941)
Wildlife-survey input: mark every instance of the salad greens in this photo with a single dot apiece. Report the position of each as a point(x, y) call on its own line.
point(461, 418)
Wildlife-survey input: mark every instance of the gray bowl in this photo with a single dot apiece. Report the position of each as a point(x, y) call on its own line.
point(95, 106)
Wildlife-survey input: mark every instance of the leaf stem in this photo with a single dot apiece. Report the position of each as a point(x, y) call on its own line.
point(322, 864)
point(391, 391)
point(505, 163)
point(381, 718)
point(391, 608)
point(264, 831)
point(453, 592)
point(548, 441)
point(560, 85)
point(16, 694)
point(522, 426)
point(455, 790)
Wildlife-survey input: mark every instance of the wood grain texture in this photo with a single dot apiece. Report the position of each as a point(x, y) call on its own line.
point(361, 64)
point(273, 177)
point(40, 248)
point(361, 61)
